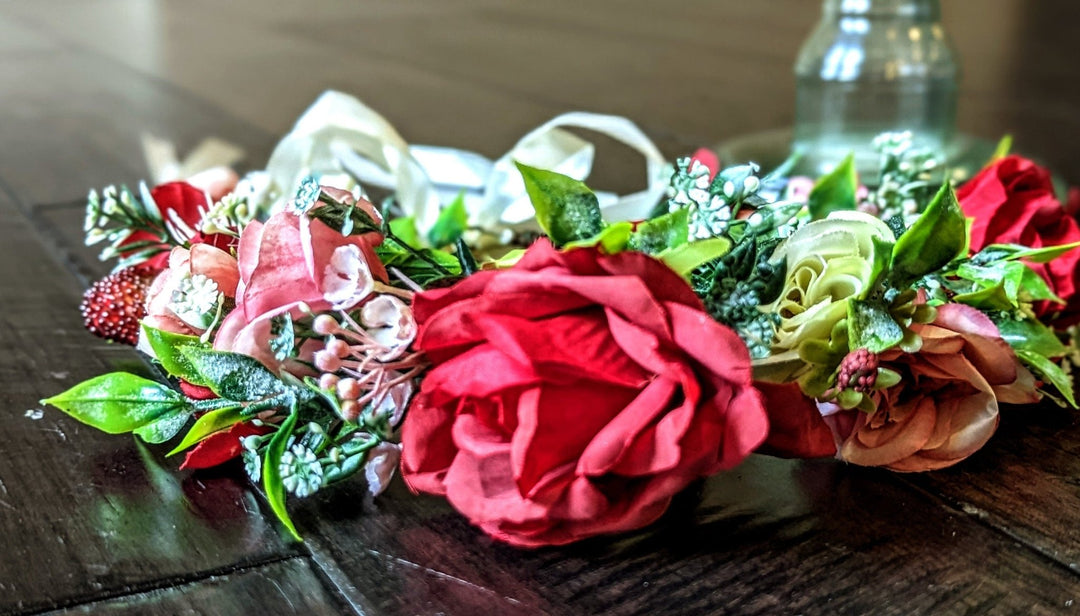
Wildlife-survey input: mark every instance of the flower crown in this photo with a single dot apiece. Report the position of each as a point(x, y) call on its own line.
point(564, 380)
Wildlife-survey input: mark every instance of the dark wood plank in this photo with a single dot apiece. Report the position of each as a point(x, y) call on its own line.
point(1025, 481)
point(84, 512)
point(772, 537)
point(60, 226)
point(287, 587)
point(71, 121)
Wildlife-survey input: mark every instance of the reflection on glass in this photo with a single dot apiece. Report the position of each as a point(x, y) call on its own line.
point(872, 66)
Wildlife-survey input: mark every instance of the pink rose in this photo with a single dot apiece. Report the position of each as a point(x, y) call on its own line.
point(202, 260)
point(946, 406)
point(292, 260)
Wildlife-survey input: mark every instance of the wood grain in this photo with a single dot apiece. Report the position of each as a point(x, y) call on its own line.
point(83, 512)
point(772, 537)
point(97, 523)
point(286, 587)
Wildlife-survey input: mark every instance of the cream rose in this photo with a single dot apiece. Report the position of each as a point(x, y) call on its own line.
point(828, 262)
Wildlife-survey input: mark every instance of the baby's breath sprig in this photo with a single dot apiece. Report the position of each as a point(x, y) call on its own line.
point(116, 215)
point(228, 216)
point(906, 181)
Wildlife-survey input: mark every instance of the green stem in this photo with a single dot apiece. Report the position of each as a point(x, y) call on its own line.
point(414, 252)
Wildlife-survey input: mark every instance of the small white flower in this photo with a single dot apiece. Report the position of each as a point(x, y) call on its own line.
point(93, 236)
point(379, 470)
point(347, 279)
point(390, 322)
point(698, 195)
point(751, 184)
point(195, 300)
point(301, 473)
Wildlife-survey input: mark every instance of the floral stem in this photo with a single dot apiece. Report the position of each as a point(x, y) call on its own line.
point(419, 254)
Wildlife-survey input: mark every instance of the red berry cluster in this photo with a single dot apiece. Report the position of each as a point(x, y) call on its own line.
point(113, 306)
point(858, 371)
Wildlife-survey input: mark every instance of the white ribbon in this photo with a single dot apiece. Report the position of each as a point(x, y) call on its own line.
point(338, 132)
point(166, 166)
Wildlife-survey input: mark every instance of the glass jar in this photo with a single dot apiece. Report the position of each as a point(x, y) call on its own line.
point(872, 66)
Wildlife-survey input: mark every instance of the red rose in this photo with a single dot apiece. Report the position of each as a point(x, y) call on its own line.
point(574, 395)
point(1013, 202)
point(180, 201)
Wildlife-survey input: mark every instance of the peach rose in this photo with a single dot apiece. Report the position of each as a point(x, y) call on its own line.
point(946, 406)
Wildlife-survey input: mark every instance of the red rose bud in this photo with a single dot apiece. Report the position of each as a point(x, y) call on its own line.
point(574, 395)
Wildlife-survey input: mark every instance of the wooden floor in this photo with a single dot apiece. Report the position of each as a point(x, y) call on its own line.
point(94, 523)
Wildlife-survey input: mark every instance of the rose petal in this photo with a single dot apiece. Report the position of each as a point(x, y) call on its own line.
point(796, 428)
point(220, 447)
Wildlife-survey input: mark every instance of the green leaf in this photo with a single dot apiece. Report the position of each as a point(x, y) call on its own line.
point(1002, 149)
point(988, 298)
point(849, 399)
point(166, 347)
point(685, 258)
point(886, 378)
point(1029, 335)
point(465, 258)
point(1033, 287)
point(1035, 255)
point(1017, 280)
point(835, 191)
point(209, 423)
point(348, 219)
point(452, 222)
point(164, 427)
point(565, 208)
point(871, 326)
point(612, 239)
point(119, 402)
point(508, 260)
point(782, 367)
point(275, 491)
point(661, 233)
point(405, 230)
point(424, 266)
point(882, 256)
point(233, 376)
point(936, 238)
point(1050, 372)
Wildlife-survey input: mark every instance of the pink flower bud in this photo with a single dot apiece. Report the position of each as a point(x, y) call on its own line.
point(327, 361)
point(324, 325)
point(350, 410)
point(328, 381)
point(348, 389)
point(338, 347)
